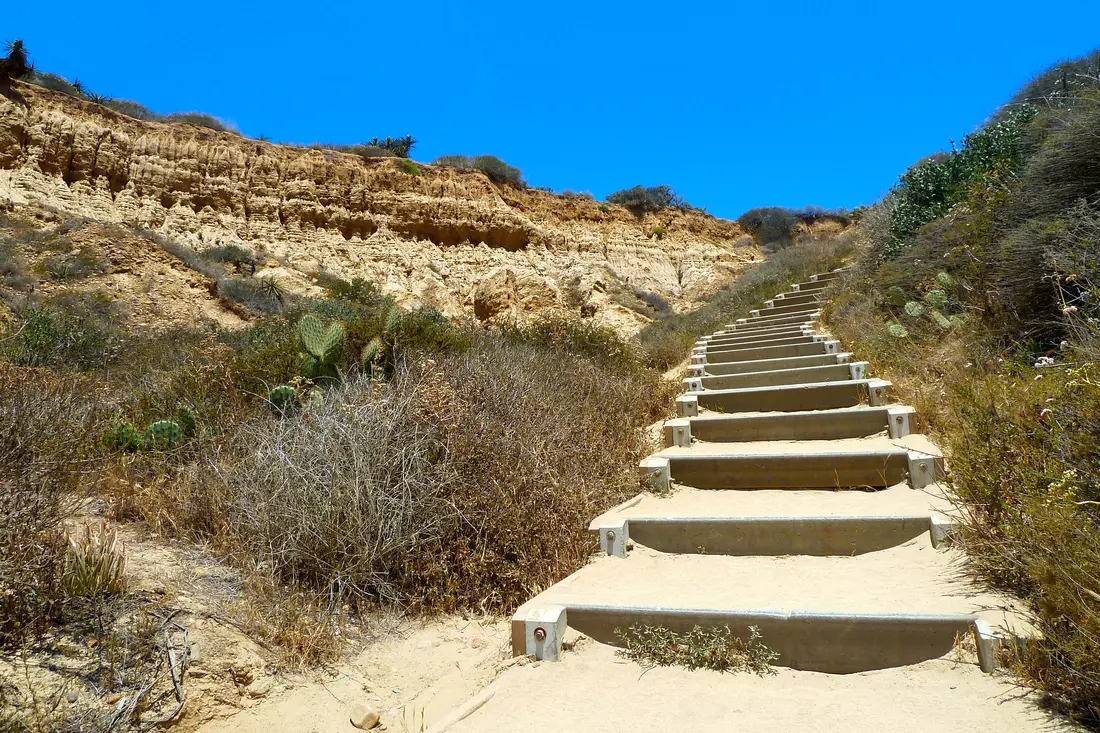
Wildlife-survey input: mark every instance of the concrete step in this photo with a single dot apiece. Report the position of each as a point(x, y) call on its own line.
point(846, 422)
point(810, 286)
point(775, 522)
point(752, 353)
point(874, 462)
point(729, 342)
point(766, 365)
point(727, 338)
point(825, 276)
point(802, 375)
point(776, 310)
point(742, 325)
point(787, 397)
point(792, 297)
point(755, 343)
point(838, 615)
point(767, 317)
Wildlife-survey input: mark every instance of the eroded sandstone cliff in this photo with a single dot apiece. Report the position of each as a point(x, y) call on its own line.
point(448, 238)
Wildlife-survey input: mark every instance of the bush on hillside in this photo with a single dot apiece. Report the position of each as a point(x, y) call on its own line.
point(497, 170)
point(642, 200)
point(930, 188)
point(200, 119)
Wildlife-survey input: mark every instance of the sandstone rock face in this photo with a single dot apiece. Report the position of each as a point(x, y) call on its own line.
point(447, 238)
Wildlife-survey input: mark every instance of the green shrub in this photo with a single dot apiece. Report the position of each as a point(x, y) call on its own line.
point(67, 331)
point(200, 119)
point(575, 336)
point(232, 253)
point(407, 166)
point(929, 189)
point(497, 170)
point(643, 200)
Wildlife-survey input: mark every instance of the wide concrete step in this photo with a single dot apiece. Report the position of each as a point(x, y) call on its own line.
point(756, 353)
point(846, 422)
point(766, 365)
point(826, 614)
point(874, 462)
point(825, 276)
point(733, 338)
point(742, 325)
point(774, 522)
point(803, 312)
point(792, 297)
point(801, 375)
point(755, 343)
point(810, 286)
point(785, 309)
point(787, 397)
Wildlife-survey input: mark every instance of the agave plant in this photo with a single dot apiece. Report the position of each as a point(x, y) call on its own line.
point(271, 287)
point(95, 564)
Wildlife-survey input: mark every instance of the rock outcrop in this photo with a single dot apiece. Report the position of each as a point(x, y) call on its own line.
point(444, 237)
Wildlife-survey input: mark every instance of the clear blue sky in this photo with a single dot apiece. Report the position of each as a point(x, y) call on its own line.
point(734, 105)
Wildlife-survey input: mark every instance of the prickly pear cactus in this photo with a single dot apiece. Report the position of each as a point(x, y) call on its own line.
point(941, 320)
point(937, 299)
point(189, 421)
point(945, 281)
point(323, 346)
point(914, 309)
point(897, 330)
point(282, 399)
point(371, 353)
point(163, 434)
point(123, 436)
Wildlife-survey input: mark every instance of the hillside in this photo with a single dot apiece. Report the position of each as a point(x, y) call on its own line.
point(441, 237)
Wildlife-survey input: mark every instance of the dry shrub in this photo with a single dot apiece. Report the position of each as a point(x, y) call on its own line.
point(334, 498)
point(45, 455)
point(464, 482)
point(541, 442)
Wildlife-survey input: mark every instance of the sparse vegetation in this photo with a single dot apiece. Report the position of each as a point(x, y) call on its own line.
point(715, 648)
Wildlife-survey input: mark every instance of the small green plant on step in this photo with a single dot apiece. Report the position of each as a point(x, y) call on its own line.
point(324, 345)
point(163, 434)
point(95, 564)
point(716, 648)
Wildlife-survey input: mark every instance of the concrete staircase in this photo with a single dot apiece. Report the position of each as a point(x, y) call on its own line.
point(791, 495)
